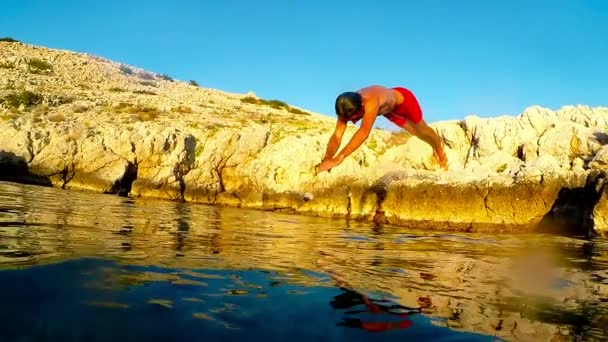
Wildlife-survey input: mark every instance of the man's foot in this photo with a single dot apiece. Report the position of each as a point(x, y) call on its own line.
point(441, 159)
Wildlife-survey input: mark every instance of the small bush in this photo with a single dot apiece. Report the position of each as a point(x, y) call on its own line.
point(149, 84)
point(249, 99)
point(9, 40)
point(193, 83)
point(144, 75)
point(165, 77)
point(147, 115)
point(80, 109)
point(182, 109)
point(38, 66)
point(398, 138)
point(26, 98)
point(116, 89)
point(276, 104)
point(139, 112)
point(145, 92)
point(7, 65)
point(126, 70)
point(96, 58)
point(297, 111)
point(59, 100)
point(57, 117)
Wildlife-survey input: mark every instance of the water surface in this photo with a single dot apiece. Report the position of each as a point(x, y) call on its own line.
point(78, 266)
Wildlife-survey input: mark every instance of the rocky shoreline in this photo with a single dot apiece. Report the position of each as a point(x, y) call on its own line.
point(75, 121)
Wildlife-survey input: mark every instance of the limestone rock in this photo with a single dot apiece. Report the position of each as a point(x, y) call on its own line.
point(91, 123)
point(600, 212)
point(568, 140)
point(163, 159)
point(600, 160)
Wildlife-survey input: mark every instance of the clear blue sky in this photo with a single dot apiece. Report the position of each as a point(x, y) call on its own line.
point(483, 57)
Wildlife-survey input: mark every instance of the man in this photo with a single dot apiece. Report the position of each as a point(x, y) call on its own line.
point(397, 104)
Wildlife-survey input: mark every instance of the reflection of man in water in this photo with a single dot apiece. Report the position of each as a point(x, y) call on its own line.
point(385, 308)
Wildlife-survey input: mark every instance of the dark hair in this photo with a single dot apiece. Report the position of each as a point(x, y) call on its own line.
point(348, 103)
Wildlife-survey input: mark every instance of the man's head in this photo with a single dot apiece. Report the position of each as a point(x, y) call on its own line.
point(348, 104)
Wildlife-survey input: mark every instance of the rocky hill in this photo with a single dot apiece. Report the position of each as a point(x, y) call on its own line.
point(77, 121)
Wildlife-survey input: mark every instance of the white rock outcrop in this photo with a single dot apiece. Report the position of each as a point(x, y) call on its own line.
point(81, 122)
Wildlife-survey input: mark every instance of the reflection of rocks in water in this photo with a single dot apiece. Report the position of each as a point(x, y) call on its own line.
point(165, 303)
point(515, 287)
point(191, 299)
point(237, 292)
point(111, 305)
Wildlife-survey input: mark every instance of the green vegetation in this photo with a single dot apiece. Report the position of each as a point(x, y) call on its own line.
point(145, 92)
point(398, 138)
point(9, 40)
point(59, 100)
point(80, 109)
point(193, 83)
point(501, 168)
point(7, 117)
point(116, 89)
point(138, 112)
point(126, 70)
point(58, 117)
point(372, 144)
point(26, 98)
point(12, 114)
point(297, 111)
point(200, 148)
point(149, 84)
point(214, 128)
point(39, 112)
point(144, 75)
point(276, 104)
point(182, 109)
point(38, 66)
point(165, 77)
point(7, 65)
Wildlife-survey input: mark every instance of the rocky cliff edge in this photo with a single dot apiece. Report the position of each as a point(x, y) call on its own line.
point(77, 121)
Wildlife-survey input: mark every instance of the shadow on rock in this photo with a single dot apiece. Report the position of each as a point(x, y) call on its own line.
point(601, 138)
point(13, 168)
point(572, 212)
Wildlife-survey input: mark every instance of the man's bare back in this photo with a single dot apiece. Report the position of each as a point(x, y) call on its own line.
point(387, 98)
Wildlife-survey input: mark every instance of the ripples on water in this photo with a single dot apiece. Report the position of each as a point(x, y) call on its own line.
point(82, 266)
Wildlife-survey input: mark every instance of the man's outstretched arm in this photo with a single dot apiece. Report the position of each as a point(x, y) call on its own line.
point(356, 140)
point(335, 139)
point(369, 117)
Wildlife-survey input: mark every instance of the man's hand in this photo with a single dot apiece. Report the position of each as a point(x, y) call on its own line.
point(328, 164)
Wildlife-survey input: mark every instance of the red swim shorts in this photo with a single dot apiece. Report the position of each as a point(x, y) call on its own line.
point(409, 109)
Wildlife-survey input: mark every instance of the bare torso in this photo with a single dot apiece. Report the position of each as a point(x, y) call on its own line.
point(387, 97)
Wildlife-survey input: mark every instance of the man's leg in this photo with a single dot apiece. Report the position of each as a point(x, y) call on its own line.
point(427, 134)
point(408, 127)
point(423, 132)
